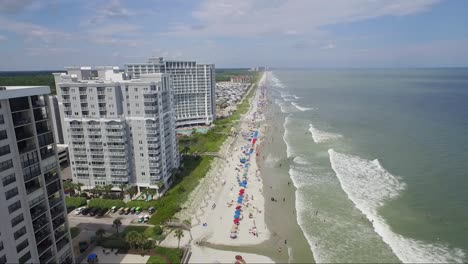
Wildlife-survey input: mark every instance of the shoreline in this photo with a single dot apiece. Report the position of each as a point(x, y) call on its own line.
point(212, 204)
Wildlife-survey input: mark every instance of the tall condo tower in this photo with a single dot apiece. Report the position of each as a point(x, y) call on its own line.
point(34, 228)
point(194, 88)
point(119, 131)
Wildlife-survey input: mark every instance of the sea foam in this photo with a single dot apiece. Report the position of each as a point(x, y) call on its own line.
point(285, 136)
point(301, 108)
point(320, 136)
point(368, 185)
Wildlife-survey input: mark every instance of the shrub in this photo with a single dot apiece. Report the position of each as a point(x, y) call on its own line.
point(117, 243)
point(157, 230)
point(75, 201)
point(74, 231)
point(174, 254)
point(105, 203)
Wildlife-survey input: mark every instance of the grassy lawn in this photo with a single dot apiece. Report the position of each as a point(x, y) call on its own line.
point(156, 260)
point(147, 230)
point(74, 231)
point(174, 254)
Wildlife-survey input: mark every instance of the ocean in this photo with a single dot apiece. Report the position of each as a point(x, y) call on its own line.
point(379, 159)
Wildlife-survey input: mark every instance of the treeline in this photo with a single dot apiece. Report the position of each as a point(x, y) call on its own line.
point(224, 75)
point(28, 79)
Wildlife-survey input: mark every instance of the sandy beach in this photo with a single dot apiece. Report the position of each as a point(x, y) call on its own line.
point(228, 207)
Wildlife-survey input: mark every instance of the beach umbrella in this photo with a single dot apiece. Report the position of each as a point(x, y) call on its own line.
point(238, 207)
point(236, 217)
point(236, 221)
point(92, 256)
point(238, 211)
point(244, 182)
point(242, 190)
point(238, 257)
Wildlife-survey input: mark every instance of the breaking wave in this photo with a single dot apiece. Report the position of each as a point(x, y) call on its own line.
point(320, 136)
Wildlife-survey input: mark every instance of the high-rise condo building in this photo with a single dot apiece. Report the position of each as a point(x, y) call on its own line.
point(119, 131)
point(194, 88)
point(34, 228)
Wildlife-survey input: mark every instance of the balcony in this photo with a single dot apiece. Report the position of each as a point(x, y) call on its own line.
point(110, 139)
point(26, 146)
point(53, 188)
point(154, 164)
point(47, 153)
point(116, 146)
point(37, 211)
point(115, 133)
point(79, 152)
point(54, 201)
point(58, 222)
point(42, 234)
point(150, 99)
point(19, 104)
point(56, 211)
point(152, 125)
point(95, 139)
point(46, 255)
point(40, 222)
point(90, 132)
point(67, 101)
point(62, 243)
point(101, 92)
point(32, 185)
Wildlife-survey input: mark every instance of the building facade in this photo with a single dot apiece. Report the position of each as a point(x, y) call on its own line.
point(194, 88)
point(119, 131)
point(34, 228)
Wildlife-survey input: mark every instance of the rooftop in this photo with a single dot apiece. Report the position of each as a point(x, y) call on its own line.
point(7, 92)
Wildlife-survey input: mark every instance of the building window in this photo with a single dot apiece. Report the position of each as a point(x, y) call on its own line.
point(11, 193)
point(2, 120)
point(3, 135)
point(16, 220)
point(6, 165)
point(25, 258)
point(8, 179)
point(14, 206)
point(19, 233)
point(22, 245)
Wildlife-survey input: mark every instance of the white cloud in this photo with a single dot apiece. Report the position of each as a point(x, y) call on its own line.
point(248, 18)
point(32, 32)
point(328, 46)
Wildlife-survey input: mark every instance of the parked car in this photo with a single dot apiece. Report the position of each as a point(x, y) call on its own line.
point(132, 210)
point(138, 210)
point(121, 211)
point(146, 218)
point(86, 211)
point(103, 212)
point(151, 210)
point(93, 212)
point(127, 211)
point(79, 210)
point(141, 219)
point(113, 209)
point(98, 212)
point(70, 208)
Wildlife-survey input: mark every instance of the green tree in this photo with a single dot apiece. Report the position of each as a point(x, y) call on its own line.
point(157, 230)
point(152, 192)
point(186, 150)
point(107, 189)
point(132, 238)
point(117, 223)
point(69, 186)
point(132, 190)
point(100, 232)
point(78, 187)
point(122, 187)
point(178, 234)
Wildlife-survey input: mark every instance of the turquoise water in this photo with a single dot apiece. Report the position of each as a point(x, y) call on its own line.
point(380, 162)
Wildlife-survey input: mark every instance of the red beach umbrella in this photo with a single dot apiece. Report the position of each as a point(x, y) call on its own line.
point(238, 207)
point(236, 221)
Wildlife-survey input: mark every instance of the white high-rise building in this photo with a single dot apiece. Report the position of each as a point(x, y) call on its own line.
point(34, 227)
point(118, 130)
point(194, 88)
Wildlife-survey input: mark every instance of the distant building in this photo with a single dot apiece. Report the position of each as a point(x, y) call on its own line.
point(55, 118)
point(194, 88)
point(62, 153)
point(119, 131)
point(241, 79)
point(34, 225)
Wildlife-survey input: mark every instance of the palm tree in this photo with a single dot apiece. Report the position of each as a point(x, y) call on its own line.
point(78, 186)
point(69, 186)
point(107, 189)
point(117, 223)
point(97, 190)
point(132, 190)
point(179, 234)
point(122, 187)
point(132, 238)
point(152, 192)
point(100, 232)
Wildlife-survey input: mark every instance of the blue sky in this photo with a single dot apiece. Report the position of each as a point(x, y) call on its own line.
point(52, 34)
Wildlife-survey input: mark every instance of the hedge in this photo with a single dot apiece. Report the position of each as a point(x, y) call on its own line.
point(75, 201)
point(117, 243)
point(105, 203)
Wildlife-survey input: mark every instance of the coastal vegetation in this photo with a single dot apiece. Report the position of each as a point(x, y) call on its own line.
point(75, 201)
point(28, 79)
point(224, 75)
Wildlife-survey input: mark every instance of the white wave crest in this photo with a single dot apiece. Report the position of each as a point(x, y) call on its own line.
point(285, 136)
point(301, 108)
point(321, 136)
point(300, 160)
point(369, 186)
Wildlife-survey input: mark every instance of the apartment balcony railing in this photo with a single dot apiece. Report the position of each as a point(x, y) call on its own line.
point(94, 132)
point(101, 92)
point(109, 139)
point(120, 133)
point(95, 139)
point(116, 146)
point(66, 101)
point(79, 152)
point(151, 125)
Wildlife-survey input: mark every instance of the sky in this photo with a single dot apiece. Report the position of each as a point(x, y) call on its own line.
point(53, 34)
